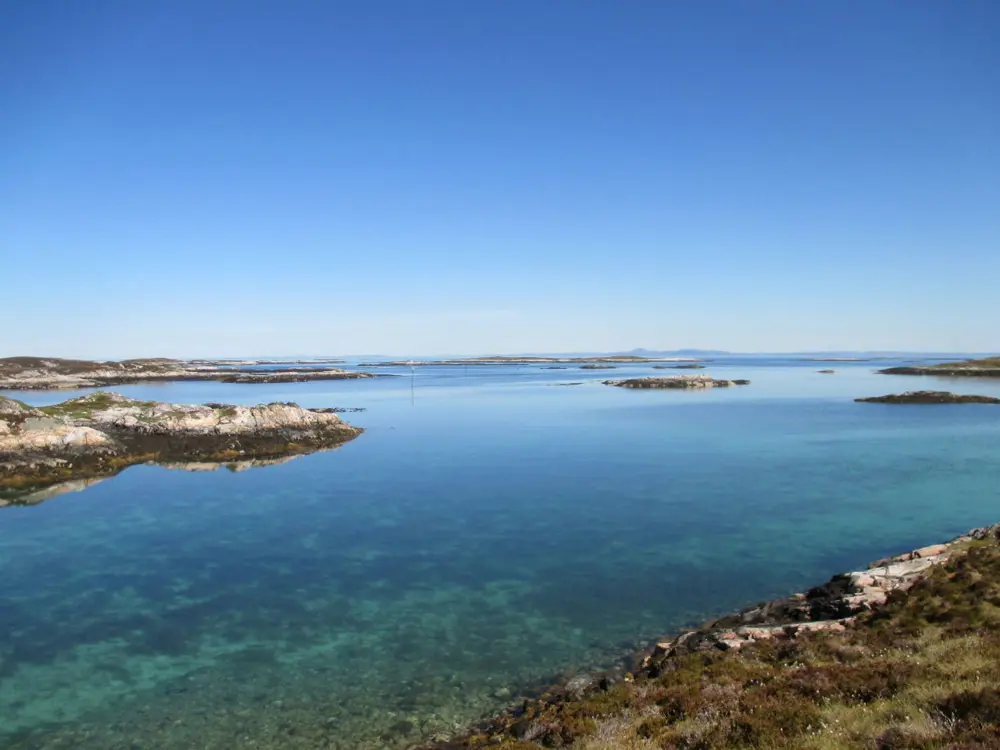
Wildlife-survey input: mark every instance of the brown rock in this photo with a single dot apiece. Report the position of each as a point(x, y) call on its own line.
point(931, 551)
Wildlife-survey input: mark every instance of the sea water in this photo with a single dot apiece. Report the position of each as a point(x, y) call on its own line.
point(493, 530)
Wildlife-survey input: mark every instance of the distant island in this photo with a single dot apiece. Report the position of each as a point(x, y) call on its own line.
point(100, 434)
point(44, 373)
point(676, 381)
point(511, 360)
point(987, 367)
point(835, 359)
point(928, 397)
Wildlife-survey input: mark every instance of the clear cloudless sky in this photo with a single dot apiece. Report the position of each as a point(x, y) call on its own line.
point(227, 177)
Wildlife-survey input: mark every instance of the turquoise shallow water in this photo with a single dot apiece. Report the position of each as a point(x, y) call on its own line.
point(488, 533)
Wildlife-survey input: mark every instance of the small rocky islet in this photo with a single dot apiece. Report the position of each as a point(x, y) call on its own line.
point(928, 397)
point(676, 382)
point(100, 434)
point(985, 367)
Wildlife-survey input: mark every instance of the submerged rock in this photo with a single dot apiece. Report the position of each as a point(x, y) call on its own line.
point(102, 433)
point(928, 397)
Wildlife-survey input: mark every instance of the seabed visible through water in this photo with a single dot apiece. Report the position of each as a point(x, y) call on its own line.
point(484, 538)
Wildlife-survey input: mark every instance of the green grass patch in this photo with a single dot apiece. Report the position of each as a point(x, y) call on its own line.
point(85, 406)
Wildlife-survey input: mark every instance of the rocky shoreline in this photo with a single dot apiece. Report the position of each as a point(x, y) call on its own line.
point(928, 397)
point(676, 381)
point(48, 373)
point(99, 435)
point(547, 720)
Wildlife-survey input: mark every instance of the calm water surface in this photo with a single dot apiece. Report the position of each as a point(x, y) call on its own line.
point(491, 531)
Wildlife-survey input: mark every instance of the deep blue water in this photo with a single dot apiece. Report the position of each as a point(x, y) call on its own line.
point(490, 531)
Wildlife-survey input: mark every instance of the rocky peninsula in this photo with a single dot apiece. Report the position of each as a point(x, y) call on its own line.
point(46, 373)
point(903, 654)
point(987, 367)
point(676, 381)
point(928, 397)
point(98, 435)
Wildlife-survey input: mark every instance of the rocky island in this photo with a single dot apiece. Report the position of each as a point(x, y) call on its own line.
point(928, 397)
point(676, 381)
point(45, 373)
point(903, 654)
point(100, 434)
point(987, 367)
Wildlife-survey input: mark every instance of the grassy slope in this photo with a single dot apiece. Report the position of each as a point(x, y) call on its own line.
point(922, 672)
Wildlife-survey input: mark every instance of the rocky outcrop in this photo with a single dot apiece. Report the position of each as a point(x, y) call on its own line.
point(928, 397)
point(598, 367)
point(831, 607)
point(679, 367)
point(676, 381)
point(38, 373)
point(100, 434)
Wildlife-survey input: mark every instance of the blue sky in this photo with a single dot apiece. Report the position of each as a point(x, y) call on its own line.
point(386, 176)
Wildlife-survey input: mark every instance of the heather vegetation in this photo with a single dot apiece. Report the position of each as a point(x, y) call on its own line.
point(921, 672)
